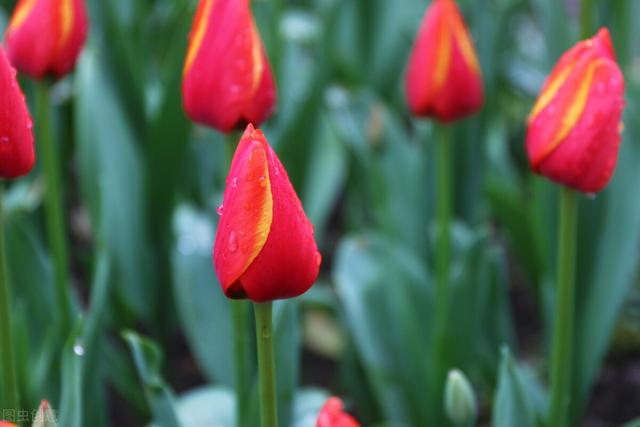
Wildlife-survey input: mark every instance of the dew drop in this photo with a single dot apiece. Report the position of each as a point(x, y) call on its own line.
point(318, 258)
point(220, 209)
point(262, 181)
point(233, 242)
point(78, 349)
point(30, 124)
point(234, 182)
point(4, 139)
point(601, 87)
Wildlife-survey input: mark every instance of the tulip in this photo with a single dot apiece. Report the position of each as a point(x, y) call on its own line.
point(45, 417)
point(17, 154)
point(265, 248)
point(444, 80)
point(574, 129)
point(332, 415)
point(45, 37)
point(7, 424)
point(227, 80)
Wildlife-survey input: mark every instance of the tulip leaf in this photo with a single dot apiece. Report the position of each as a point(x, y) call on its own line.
point(72, 397)
point(206, 406)
point(111, 174)
point(512, 405)
point(160, 398)
point(202, 307)
point(387, 301)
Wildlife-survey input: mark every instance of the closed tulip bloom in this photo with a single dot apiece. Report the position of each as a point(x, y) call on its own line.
point(265, 248)
point(443, 79)
point(332, 414)
point(227, 81)
point(574, 129)
point(17, 154)
point(7, 424)
point(45, 37)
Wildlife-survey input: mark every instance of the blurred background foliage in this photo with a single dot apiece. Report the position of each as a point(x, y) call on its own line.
point(152, 339)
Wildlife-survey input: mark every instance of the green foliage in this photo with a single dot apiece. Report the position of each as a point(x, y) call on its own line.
point(142, 184)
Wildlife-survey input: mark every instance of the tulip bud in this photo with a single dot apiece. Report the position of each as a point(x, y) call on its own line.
point(265, 248)
point(7, 424)
point(332, 415)
point(444, 80)
point(45, 417)
point(574, 129)
point(459, 400)
point(17, 154)
point(227, 81)
point(46, 36)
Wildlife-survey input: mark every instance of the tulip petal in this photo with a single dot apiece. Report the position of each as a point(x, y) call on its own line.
point(247, 214)
point(17, 154)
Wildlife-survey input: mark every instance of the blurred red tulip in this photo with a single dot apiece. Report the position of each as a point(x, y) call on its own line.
point(332, 415)
point(7, 424)
point(574, 129)
point(443, 79)
point(46, 36)
point(265, 248)
point(16, 135)
point(227, 80)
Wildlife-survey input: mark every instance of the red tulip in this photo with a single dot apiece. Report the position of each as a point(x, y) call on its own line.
point(332, 415)
point(265, 249)
point(7, 424)
point(574, 129)
point(444, 80)
point(16, 135)
point(227, 80)
point(46, 36)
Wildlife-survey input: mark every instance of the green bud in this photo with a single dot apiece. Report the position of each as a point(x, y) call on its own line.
point(459, 400)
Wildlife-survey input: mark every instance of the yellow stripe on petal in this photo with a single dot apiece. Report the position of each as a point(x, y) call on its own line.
point(256, 55)
point(199, 31)
point(66, 21)
point(23, 9)
point(466, 46)
point(574, 112)
point(443, 56)
point(550, 91)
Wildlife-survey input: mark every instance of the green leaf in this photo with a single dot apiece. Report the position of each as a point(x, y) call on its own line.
point(307, 406)
point(387, 300)
point(206, 406)
point(72, 398)
point(203, 309)
point(512, 405)
point(111, 177)
point(160, 398)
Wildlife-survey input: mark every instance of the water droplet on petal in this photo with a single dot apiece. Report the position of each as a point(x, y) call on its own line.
point(233, 242)
point(220, 209)
point(318, 258)
point(262, 181)
point(234, 182)
point(4, 139)
point(78, 349)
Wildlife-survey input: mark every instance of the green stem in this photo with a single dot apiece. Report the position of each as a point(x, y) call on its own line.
point(8, 382)
point(443, 257)
point(56, 230)
point(266, 365)
point(586, 19)
point(240, 315)
point(564, 311)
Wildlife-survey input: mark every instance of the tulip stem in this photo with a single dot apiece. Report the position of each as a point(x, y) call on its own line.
point(443, 168)
point(56, 230)
point(266, 364)
point(240, 314)
point(564, 311)
point(8, 380)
